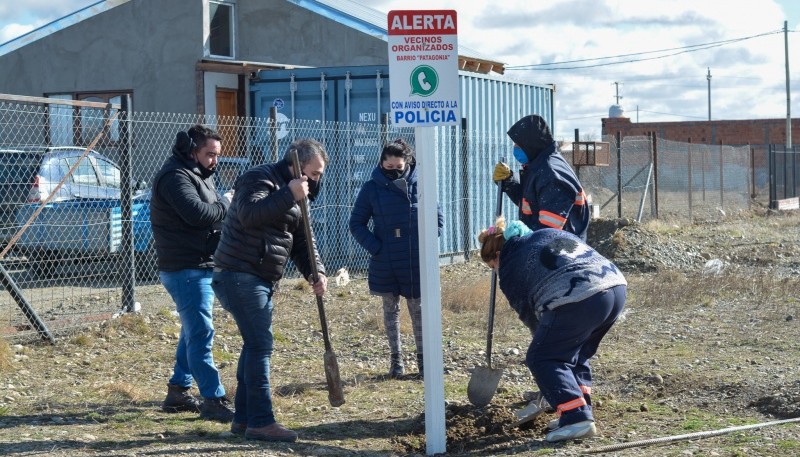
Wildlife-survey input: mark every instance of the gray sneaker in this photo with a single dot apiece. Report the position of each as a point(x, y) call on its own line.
point(179, 400)
point(217, 409)
point(580, 430)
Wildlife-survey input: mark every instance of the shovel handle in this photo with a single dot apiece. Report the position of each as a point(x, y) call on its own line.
point(493, 288)
point(332, 378)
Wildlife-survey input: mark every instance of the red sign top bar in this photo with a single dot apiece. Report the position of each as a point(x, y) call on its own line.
point(422, 22)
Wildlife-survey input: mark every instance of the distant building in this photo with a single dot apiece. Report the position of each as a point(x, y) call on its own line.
point(758, 133)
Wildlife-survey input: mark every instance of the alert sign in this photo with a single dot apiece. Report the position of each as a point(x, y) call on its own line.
point(423, 68)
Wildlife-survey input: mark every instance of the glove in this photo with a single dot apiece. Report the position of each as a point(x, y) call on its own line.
point(501, 172)
point(226, 198)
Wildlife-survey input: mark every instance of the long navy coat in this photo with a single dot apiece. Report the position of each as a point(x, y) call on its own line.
point(393, 243)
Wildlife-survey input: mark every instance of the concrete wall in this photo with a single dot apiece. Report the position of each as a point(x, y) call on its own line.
point(144, 46)
point(277, 31)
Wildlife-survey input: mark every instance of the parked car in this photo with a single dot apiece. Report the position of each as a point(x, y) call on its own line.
point(30, 174)
point(82, 220)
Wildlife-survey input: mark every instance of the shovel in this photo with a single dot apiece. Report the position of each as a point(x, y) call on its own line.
point(483, 383)
point(334, 381)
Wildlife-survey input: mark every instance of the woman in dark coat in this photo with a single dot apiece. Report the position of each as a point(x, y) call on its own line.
point(389, 199)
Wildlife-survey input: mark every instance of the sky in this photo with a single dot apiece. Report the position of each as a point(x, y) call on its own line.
point(654, 54)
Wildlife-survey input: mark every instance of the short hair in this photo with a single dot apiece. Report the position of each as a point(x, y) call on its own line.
point(306, 149)
point(398, 148)
point(200, 134)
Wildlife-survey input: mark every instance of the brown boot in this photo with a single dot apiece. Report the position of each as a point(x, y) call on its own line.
point(179, 399)
point(237, 428)
point(217, 409)
point(271, 432)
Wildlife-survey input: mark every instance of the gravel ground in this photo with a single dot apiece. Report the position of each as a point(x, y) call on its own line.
point(709, 342)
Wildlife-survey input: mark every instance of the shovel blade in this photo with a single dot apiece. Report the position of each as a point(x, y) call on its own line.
point(335, 394)
point(483, 384)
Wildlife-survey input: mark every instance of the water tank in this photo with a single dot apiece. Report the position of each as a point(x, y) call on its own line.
point(616, 111)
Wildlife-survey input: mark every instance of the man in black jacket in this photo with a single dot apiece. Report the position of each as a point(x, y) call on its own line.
point(186, 214)
point(262, 231)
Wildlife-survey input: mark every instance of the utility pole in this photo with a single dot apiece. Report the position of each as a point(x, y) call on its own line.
point(708, 77)
point(618, 96)
point(788, 93)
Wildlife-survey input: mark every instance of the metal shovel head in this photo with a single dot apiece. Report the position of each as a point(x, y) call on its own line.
point(483, 384)
point(335, 394)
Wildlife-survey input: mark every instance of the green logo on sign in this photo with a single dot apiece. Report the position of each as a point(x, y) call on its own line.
point(424, 81)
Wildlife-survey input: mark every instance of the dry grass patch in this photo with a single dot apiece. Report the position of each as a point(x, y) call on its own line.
point(6, 355)
point(115, 392)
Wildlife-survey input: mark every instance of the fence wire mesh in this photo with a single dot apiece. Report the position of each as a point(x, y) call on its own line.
point(69, 170)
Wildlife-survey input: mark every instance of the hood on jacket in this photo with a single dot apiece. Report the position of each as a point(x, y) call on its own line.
point(532, 135)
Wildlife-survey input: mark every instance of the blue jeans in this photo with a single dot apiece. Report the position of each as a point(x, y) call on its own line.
point(194, 299)
point(566, 338)
point(249, 299)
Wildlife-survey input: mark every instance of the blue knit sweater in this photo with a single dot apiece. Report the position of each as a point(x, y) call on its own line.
point(547, 268)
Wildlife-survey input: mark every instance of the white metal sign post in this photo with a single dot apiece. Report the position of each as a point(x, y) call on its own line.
point(424, 93)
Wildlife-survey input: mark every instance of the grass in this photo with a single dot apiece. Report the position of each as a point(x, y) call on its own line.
point(6, 356)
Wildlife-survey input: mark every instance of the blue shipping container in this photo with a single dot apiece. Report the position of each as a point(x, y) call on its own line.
point(359, 95)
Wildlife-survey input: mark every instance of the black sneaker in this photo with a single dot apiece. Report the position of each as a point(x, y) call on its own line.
point(180, 400)
point(217, 409)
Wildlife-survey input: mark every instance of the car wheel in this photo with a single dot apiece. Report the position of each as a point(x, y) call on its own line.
point(146, 264)
point(43, 264)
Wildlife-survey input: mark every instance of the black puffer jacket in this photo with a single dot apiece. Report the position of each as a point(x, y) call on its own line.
point(186, 215)
point(264, 228)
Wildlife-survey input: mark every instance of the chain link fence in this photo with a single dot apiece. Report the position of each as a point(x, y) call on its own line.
point(75, 182)
point(672, 181)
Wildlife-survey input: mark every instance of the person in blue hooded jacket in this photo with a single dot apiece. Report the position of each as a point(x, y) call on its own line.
point(389, 199)
point(569, 296)
point(548, 193)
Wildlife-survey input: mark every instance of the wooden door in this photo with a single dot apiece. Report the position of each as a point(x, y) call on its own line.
point(227, 123)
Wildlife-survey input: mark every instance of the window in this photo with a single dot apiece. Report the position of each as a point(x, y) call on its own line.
point(221, 29)
point(109, 173)
point(78, 126)
point(84, 174)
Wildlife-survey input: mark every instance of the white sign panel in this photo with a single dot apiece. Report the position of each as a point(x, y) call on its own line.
point(423, 68)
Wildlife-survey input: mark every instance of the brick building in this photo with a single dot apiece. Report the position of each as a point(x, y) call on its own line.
point(756, 132)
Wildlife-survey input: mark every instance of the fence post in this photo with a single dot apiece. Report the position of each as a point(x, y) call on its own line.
point(128, 261)
point(619, 174)
point(273, 134)
point(465, 221)
point(689, 186)
point(773, 181)
point(384, 134)
point(654, 158)
point(721, 179)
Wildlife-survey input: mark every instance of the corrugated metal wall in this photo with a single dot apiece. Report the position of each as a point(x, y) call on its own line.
point(353, 102)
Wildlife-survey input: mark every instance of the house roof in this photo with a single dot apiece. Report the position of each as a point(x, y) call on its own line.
point(346, 12)
point(59, 24)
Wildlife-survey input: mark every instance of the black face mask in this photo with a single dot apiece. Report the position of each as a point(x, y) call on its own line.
point(313, 188)
point(392, 175)
point(205, 172)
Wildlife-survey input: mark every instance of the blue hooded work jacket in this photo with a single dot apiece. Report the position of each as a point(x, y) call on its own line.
point(548, 192)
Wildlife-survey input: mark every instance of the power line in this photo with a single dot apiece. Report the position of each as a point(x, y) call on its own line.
point(681, 50)
point(670, 114)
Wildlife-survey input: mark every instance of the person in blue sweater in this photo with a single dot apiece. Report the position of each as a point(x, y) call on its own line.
point(569, 296)
point(548, 192)
point(389, 199)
